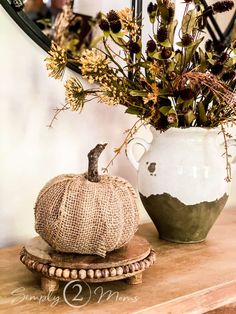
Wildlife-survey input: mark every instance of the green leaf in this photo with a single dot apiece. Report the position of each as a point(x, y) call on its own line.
point(179, 43)
point(231, 62)
point(118, 35)
point(188, 22)
point(211, 61)
point(157, 55)
point(171, 65)
point(172, 110)
point(191, 50)
point(202, 113)
point(46, 22)
point(166, 43)
point(172, 29)
point(134, 110)
point(179, 100)
point(165, 110)
point(152, 17)
point(164, 13)
point(164, 92)
point(189, 117)
point(141, 93)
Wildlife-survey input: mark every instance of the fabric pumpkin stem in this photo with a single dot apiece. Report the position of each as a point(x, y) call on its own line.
point(93, 156)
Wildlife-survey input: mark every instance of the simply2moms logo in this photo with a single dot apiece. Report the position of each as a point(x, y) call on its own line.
point(76, 294)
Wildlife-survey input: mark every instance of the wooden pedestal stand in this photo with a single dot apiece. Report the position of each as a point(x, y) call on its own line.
point(126, 263)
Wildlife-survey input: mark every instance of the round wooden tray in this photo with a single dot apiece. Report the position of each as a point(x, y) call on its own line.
point(126, 263)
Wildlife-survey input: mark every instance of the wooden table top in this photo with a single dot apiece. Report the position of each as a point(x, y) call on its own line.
point(187, 278)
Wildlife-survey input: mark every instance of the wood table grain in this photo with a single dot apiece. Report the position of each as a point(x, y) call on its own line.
point(186, 278)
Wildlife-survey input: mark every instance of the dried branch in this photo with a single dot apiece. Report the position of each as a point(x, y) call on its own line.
point(130, 133)
point(57, 112)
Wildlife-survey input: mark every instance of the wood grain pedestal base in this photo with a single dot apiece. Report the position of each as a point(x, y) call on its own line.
point(126, 263)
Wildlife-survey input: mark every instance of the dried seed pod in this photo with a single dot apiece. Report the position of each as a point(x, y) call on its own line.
point(97, 274)
point(74, 274)
point(66, 273)
point(162, 34)
point(171, 12)
point(134, 47)
point(115, 26)
point(217, 68)
point(82, 274)
point(112, 272)
point(119, 271)
point(151, 46)
point(187, 40)
point(105, 273)
point(171, 76)
point(52, 271)
point(150, 8)
point(166, 53)
point(59, 272)
point(112, 16)
point(172, 118)
point(104, 25)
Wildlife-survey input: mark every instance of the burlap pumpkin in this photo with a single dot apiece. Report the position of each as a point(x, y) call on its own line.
point(73, 214)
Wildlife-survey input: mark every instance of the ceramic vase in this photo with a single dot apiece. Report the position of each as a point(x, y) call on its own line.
point(181, 181)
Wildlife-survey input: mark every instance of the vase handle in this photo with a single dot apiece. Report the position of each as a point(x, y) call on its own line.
point(130, 147)
point(232, 143)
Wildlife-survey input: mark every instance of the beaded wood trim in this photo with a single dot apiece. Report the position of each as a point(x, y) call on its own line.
point(89, 275)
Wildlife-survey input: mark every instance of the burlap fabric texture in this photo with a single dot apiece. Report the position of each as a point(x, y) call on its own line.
point(75, 215)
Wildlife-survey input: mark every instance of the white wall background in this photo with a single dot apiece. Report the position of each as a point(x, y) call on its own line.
point(30, 153)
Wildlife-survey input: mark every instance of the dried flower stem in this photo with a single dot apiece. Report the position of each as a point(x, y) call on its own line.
point(130, 133)
point(57, 112)
point(228, 166)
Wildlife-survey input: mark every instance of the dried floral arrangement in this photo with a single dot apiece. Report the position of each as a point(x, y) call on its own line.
point(170, 81)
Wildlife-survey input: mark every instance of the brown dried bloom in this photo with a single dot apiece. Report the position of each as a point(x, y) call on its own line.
point(154, 69)
point(56, 62)
point(172, 118)
point(153, 95)
point(75, 94)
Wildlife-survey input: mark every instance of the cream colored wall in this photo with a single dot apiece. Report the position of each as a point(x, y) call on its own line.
point(30, 153)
